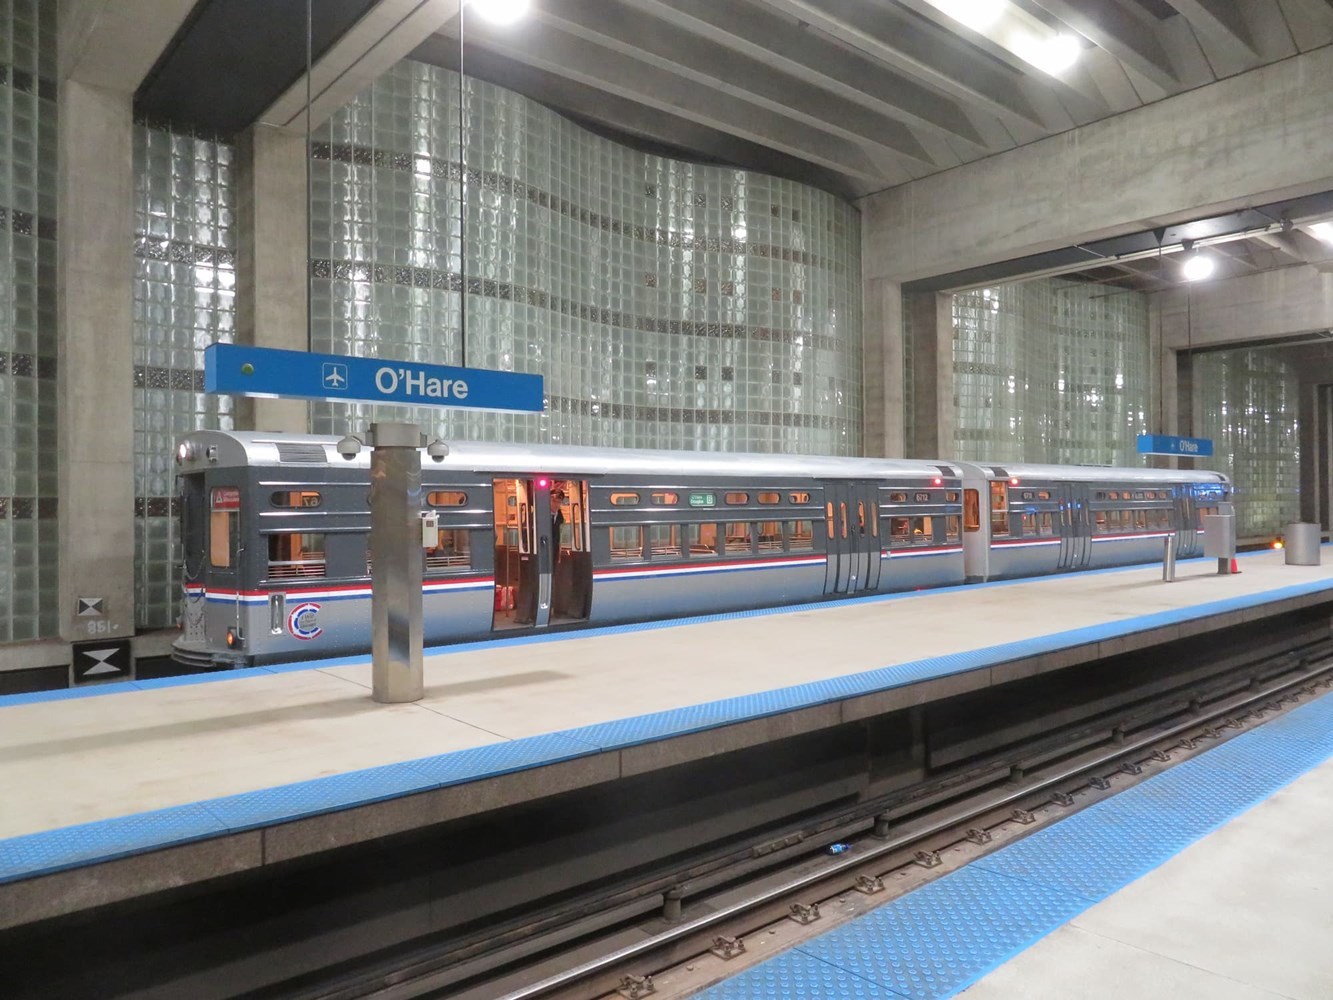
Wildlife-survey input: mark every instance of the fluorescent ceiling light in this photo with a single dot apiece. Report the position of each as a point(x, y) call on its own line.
point(1323, 231)
point(1199, 266)
point(975, 14)
point(500, 11)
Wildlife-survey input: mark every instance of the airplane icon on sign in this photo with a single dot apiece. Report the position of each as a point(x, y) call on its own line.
point(335, 376)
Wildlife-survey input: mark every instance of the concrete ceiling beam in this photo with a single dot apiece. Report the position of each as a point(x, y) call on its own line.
point(1221, 22)
point(932, 59)
point(386, 34)
point(798, 52)
point(666, 47)
point(1126, 36)
point(551, 49)
point(114, 43)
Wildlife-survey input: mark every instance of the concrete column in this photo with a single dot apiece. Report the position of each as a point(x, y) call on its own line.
point(882, 368)
point(95, 437)
point(933, 418)
point(272, 269)
point(1312, 443)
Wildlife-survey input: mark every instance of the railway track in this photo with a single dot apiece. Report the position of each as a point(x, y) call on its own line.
point(684, 928)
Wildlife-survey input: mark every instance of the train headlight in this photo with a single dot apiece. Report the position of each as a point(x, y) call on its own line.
point(184, 452)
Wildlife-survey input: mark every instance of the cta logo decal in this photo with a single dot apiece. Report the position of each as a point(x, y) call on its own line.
point(303, 621)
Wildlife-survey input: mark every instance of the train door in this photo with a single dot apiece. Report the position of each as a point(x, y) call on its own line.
point(1187, 513)
point(851, 525)
point(225, 547)
point(571, 550)
point(976, 529)
point(1075, 526)
point(515, 550)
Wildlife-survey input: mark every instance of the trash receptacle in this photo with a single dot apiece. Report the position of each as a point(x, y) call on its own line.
point(1302, 544)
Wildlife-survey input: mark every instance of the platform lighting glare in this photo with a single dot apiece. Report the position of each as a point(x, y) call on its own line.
point(1323, 231)
point(1199, 266)
point(1053, 54)
point(975, 14)
point(1014, 481)
point(500, 11)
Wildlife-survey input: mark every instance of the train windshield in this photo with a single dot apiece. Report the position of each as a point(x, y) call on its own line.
point(224, 526)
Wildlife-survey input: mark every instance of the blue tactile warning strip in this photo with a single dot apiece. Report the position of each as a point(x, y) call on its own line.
point(946, 935)
point(104, 840)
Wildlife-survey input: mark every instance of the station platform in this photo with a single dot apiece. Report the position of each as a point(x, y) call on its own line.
point(1214, 878)
point(128, 789)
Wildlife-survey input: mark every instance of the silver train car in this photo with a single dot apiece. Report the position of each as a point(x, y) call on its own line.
point(275, 532)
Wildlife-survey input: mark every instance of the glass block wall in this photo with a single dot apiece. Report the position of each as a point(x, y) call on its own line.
point(1250, 402)
point(28, 542)
point(668, 304)
point(1051, 371)
point(184, 282)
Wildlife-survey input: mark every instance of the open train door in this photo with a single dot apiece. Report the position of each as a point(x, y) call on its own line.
point(543, 558)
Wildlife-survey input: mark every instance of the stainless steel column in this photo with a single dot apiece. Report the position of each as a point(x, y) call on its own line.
point(1169, 558)
point(396, 561)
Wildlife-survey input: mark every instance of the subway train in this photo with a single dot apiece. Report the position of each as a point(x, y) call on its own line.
point(528, 538)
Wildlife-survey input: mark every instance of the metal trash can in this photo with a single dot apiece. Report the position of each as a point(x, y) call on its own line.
point(1302, 544)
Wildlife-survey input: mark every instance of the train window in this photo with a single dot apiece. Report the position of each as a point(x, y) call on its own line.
point(951, 496)
point(1101, 494)
point(451, 551)
point(770, 536)
point(666, 499)
point(702, 539)
point(626, 542)
point(1028, 524)
point(923, 498)
point(999, 509)
point(703, 499)
point(800, 536)
point(952, 524)
point(1138, 495)
point(737, 498)
point(446, 498)
point(897, 498)
point(972, 510)
point(1043, 494)
point(224, 526)
point(900, 530)
point(296, 498)
point(1099, 522)
point(738, 536)
point(798, 498)
point(923, 530)
point(769, 497)
point(1113, 495)
point(624, 499)
point(1045, 523)
point(295, 555)
point(1141, 520)
point(861, 516)
point(664, 541)
point(828, 518)
point(1164, 495)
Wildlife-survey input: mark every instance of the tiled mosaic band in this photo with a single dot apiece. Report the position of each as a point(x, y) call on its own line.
point(27, 365)
point(27, 224)
point(157, 506)
point(29, 508)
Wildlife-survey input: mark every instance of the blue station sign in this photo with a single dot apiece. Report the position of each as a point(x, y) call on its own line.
point(1169, 444)
point(261, 371)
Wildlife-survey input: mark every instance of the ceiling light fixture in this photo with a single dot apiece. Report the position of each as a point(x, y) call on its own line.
point(500, 11)
point(1323, 231)
point(975, 14)
point(1199, 267)
point(1053, 54)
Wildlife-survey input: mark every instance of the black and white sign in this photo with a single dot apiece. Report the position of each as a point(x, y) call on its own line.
point(102, 661)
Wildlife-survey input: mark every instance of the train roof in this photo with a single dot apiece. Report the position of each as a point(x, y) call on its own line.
point(234, 449)
point(242, 448)
point(1094, 473)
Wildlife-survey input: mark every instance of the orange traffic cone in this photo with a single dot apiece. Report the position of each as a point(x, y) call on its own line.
point(1235, 566)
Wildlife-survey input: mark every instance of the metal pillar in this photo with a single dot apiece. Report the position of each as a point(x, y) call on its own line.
point(396, 561)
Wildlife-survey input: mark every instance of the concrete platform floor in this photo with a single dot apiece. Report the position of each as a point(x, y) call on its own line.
point(1246, 913)
point(65, 762)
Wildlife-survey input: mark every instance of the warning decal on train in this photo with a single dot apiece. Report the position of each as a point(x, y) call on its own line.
point(303, 621)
